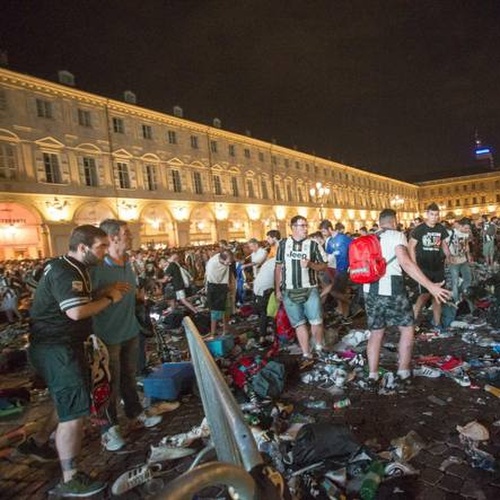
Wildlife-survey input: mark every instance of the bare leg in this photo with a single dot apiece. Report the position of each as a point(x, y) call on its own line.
point(317, 334)
point(405, 347)
point(188, 305)
point(303, 338)
point(373, 349)
point(436, 312)
point(68, 443)
point(419, 304)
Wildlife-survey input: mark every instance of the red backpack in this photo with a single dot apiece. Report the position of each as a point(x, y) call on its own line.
point(366, 262)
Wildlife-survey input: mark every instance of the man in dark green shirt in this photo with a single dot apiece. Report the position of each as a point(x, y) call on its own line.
point(61, 319)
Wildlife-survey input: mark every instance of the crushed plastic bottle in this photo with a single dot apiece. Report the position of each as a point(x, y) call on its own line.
point(316, 404)
point(371, 481)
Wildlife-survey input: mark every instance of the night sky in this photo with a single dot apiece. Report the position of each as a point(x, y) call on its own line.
point(391, 86)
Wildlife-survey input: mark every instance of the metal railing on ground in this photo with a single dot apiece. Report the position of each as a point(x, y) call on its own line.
point(236, 450)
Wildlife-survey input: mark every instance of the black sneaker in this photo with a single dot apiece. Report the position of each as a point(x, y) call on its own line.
point(372, 385)
point(80, 486)
point(43, 453)
point(402, 383)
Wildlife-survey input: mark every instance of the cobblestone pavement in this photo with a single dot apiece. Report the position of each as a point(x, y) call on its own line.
point(373, 418)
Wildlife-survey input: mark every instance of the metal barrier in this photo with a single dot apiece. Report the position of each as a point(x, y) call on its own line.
point(231, 437)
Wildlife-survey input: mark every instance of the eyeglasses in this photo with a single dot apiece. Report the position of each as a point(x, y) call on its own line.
point(300, 225)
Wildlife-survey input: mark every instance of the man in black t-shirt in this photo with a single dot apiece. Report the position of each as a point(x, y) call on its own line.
point(428, 248)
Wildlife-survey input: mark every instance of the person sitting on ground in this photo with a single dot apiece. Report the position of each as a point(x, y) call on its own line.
point(387, 302)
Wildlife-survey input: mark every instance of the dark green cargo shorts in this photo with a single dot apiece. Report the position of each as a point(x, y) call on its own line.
point(65, 371)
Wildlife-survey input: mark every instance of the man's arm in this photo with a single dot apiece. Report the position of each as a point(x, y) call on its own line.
point(406, 262)
point(113, 295)
point(277, 281)
point(412, 246)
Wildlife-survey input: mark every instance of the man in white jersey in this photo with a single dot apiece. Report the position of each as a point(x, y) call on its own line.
point(387, 303)
point(298, 261)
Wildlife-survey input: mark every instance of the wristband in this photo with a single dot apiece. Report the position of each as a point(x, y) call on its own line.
point(110, 298)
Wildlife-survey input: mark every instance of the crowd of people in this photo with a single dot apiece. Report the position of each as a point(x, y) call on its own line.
point(96, 286)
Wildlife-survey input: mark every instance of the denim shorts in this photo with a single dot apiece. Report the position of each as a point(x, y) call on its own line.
point(310, 311)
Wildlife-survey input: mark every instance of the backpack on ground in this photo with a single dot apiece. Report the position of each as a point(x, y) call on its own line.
point(366, 262)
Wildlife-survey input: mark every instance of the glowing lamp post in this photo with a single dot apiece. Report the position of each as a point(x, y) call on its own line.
point(397, 202)
point(319, 194)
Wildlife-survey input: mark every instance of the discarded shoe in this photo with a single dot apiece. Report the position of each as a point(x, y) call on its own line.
point(148, 421)
point(398, 469)
point(184, 439)
point(112, 439)
point(164, 452)
point(133, 478)
point(426, 371)
point(43, 453)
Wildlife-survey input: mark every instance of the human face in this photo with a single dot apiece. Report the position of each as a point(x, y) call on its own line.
point(299, 229)
point(432, 217)
point(123, 240)
point(95, 254)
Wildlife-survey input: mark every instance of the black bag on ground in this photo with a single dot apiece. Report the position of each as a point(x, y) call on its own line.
point(202, 322)
point(269, 382)
point(317, 442)
point(172, 320)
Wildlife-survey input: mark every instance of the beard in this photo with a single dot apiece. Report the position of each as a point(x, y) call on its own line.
point(89, 259)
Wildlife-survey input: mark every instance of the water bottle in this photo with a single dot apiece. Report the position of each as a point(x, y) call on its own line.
point(343, 403)
point(317, 405)
point(492, 390)
point(371, 481)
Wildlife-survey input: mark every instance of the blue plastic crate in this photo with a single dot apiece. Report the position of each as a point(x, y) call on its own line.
point(169, 380)
point(220, 346)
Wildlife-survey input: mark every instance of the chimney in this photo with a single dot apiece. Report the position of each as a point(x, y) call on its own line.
point(130, 97)
point(217, 123)
point(178, 112)
point(66, 78)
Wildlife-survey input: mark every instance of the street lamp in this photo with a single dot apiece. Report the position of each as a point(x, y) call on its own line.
point(397, 202)
point(319, 194)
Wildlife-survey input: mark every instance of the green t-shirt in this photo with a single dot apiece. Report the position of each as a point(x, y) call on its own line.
point(65, 284)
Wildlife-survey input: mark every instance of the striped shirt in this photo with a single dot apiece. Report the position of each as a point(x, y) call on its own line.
point(290, 252)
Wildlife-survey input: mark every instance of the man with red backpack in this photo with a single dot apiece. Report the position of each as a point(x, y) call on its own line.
point(387, 302)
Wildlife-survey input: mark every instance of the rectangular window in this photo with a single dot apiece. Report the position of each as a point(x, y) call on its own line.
point(213, 146)
point(498, 198)
point(289, 192)
point(297, 165)
point(7, 162)
point(172, 137)
point(147, 132)
point(150, 178)
point(52, 170)
point(234, 186)
point(277, 190)
point(287, 162)
point(265, 192)
point(301, 195)
point(198, 188)
point(43, 108)
point(90, 172)
point(118, 126)
point(247, 153)
point(261, 156)
point(457, 203)
point(176, 181)
point(231, 150)
point(483, 199)
point(123, 175)
point(250, 189)
point(84, 118)
point(217, 185)
point(274, 160)
point(3, 100)
point(474, 200)
point(194, 142)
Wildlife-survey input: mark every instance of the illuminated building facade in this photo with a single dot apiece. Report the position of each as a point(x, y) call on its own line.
point(68, 157)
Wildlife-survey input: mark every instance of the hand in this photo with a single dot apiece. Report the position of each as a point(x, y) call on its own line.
point(440, 294)
point(279, 295)
point(304, 263)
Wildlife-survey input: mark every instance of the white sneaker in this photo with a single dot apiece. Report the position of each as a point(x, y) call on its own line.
point(132, 478)
point(112, 439)
point(148, 422)
point(185, 439)
point(426, 371)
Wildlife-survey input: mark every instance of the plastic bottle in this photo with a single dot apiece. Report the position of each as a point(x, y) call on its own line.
point(317, 405)
point(492, 390)
point(371, 481)
point(343, 403)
